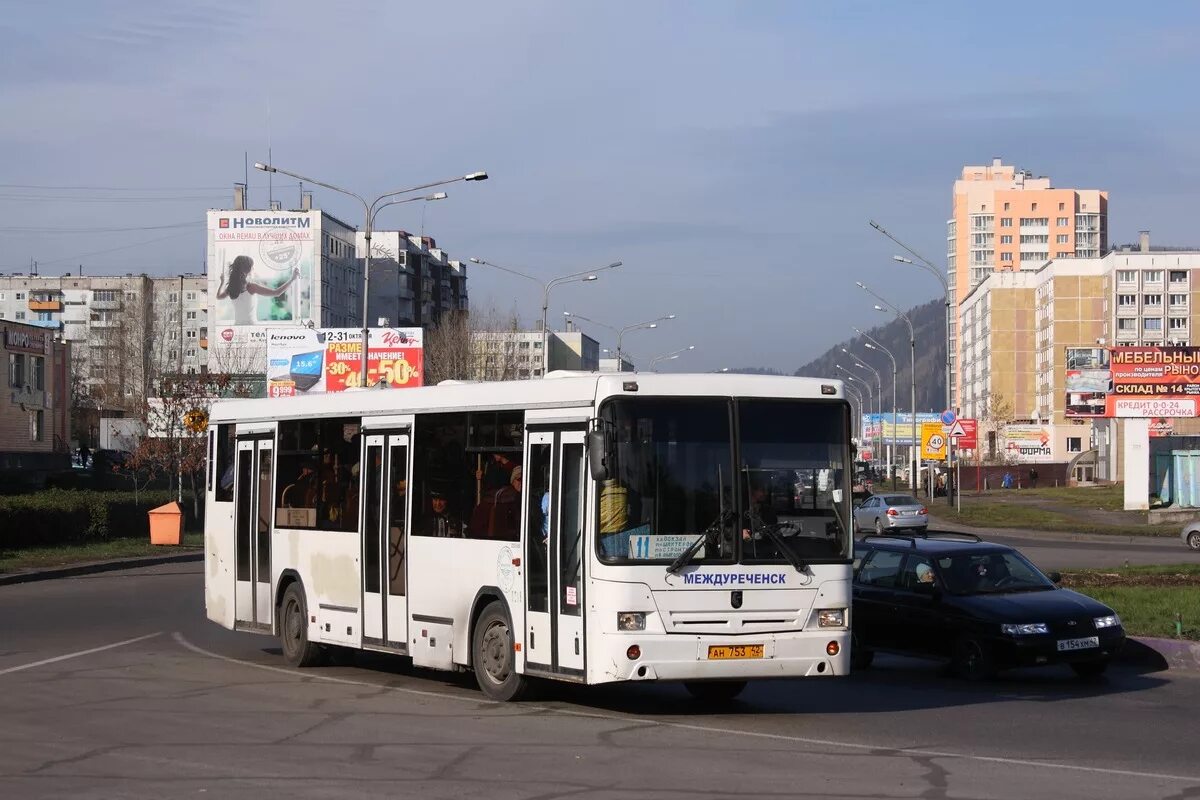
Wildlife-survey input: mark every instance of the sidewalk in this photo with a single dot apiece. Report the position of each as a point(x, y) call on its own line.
point(92, 567)
point(939, 523)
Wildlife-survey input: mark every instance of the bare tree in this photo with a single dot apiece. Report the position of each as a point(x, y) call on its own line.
point(481, 345)
point(997, 414)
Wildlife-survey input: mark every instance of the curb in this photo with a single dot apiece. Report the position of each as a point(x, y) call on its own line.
point(1161, 654)
point(93, 567)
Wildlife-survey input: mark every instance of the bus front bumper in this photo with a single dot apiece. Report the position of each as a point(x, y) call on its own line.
point(673, 657)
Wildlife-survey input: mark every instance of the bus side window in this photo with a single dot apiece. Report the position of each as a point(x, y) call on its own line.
point(224, 471)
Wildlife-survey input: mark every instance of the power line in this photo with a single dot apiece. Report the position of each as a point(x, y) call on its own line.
point(19, 229)
point(42, 263)
point(131, 188)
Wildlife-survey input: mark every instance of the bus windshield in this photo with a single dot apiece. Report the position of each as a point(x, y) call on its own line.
point(676, 475)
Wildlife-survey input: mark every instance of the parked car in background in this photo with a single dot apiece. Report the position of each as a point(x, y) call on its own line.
point(885, 512)
point(1191, 535)
point(981, 606)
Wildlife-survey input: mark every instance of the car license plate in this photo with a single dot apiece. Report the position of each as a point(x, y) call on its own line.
point(908, 513)
point(717, 651)
point(1065, 645)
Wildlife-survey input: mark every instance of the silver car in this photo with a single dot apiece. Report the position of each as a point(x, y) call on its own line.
point(1191, 535)
point(888, 512)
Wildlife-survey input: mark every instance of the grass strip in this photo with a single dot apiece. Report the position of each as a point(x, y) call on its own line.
point(1012, 515)
point(1147, 598)
point(66, 555)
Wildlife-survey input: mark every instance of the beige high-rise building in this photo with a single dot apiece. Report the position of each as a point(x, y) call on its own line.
point(1006, 220)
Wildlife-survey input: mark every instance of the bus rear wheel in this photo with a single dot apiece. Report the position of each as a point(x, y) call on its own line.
point(298, 651)
point(714, 691)
point(492, 656)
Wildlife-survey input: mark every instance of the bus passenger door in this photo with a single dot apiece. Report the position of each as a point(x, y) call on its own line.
point(254, 501)
point(555, 476)
point(385, 522)
point(568, 533)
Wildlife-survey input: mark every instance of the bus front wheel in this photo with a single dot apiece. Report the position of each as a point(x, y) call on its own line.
point(492, 656)
point(298, 651)
point(714, 691)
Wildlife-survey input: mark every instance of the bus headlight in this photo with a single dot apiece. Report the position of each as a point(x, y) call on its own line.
point(631, 620)
point(831, 618)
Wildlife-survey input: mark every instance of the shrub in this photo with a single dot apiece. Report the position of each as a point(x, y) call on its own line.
point(66, 516)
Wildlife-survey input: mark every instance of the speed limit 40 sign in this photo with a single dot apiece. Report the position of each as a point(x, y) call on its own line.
point(933, 442)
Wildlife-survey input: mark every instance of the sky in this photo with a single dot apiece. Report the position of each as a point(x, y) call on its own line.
point(730, 154)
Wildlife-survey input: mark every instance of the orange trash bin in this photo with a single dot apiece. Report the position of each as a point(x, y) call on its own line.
point(166, 524)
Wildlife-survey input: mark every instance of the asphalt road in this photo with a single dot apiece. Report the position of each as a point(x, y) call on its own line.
point(166, 704)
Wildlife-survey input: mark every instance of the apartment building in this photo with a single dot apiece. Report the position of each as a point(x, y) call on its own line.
point(34, 408)
point(1155, 294)
point(1007, 220)
point(123, 330)
point(517, 355)
point(413, 282)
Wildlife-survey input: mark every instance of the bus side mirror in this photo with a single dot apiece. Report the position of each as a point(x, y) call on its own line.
point(597, 456)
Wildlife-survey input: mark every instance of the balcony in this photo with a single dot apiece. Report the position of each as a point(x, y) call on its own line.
point(106, 305)
point(204, 343)
point(43, 304)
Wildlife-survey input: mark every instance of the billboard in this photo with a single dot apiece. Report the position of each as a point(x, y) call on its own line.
point(1132, 381)
point(317, 360)
point(1029, 444)
point(262, 267)
point(901, 434)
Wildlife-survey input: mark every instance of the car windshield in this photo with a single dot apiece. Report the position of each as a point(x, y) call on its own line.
point(672, 481)
point(996, 572)
point(900, 500)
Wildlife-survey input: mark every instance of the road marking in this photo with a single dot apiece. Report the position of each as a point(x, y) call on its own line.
point(102, 648)
point(782, 737)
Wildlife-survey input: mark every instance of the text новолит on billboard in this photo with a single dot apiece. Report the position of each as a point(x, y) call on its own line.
point(1132, 382)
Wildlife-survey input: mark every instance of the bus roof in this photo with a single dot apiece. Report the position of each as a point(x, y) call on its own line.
point(557, 390)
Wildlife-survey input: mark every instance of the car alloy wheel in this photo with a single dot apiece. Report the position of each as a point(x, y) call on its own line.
point(1193, 540)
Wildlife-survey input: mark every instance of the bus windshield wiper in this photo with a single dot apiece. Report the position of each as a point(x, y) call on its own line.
point(772, 531)
point(683, 558)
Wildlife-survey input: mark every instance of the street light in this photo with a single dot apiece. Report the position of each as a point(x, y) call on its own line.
point(912, 349)
point(369, 211)
point(858, 362)
point(573, 315)
point(586, 276)
point(870, 395)
point(653, 323)
point(872, 344)
point(669, 356)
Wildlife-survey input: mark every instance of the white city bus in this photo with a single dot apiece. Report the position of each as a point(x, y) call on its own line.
point(584, 527)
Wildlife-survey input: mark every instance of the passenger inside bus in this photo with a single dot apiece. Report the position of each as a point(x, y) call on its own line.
point(302, 492)
point(396, 549)
point(438, 519)
point(493, 476)
point(505, 521)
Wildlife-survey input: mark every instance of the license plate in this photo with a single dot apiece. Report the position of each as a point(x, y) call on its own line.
point(716, 651)
point(908, 513)
point(1065, 645)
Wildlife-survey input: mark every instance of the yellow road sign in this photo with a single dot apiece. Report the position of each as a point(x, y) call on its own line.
point(933, 441)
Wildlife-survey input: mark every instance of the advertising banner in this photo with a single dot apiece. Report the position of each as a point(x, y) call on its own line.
point(262, 266)
point(1161, 427)
point(317, 360)
point(1029, 443)
point(901, 434)
point(933, 441)
point(1132, 381)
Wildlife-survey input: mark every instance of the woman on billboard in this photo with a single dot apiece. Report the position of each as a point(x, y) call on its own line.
point(237, 287)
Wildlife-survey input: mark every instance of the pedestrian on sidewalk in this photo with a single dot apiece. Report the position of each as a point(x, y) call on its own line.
point(1032, 478)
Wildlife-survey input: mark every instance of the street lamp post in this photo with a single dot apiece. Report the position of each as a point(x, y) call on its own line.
point(928, 266)
point(369, 211)
point(915, 460)
point(871, 344)
point(586, 276)
point(869, 394)
point(652, 323)
point(860, 363)
point(669, 356)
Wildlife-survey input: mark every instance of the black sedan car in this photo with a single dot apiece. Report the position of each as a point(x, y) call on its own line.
point(980, 605)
